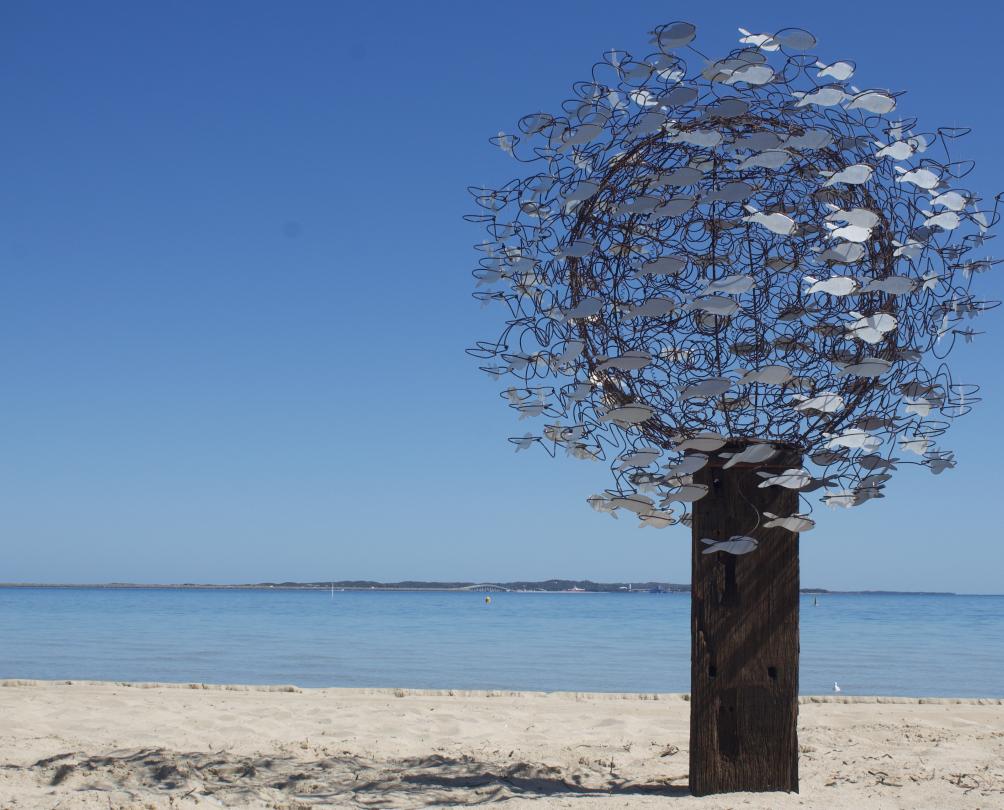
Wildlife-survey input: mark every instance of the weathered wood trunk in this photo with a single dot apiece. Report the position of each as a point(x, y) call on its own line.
point(744, 636)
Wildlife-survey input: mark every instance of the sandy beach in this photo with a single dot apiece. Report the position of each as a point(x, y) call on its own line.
point(86, 744)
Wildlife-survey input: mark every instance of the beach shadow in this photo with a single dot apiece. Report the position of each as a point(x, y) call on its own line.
point(348, 780)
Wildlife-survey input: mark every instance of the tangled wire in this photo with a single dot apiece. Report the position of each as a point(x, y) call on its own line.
point(753, 251)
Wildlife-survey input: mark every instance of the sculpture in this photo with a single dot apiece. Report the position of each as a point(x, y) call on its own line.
point(736, 281)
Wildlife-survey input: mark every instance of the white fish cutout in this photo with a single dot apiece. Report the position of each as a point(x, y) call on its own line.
point(827, 96)
point(669, 265)
point(754, 75)
point(873, 462)
point(835, 285)
point(730, 285)
point(652, 308)
point(676, 35)
point(628, 361)
point(853, 175)
point(871, 328)
point(915, 444)
point(688, 493)
point(852, 233)
point(794, 478)
point(891, 285)
point(711, 387)
point(715, 304)
point(844, 498)
point(769, 159)
point(919, 405)
point(856, 440)
point(752, 454)
point(874, 480)
point(581, 134)
point(873, 101)
point(796, 39)
point(601, 503)
point(657, 519)
point(764, 42)
point(674, 353)
point(684, 176)
point(586, 308)
point(826, 402)
point(675, 206)
point(530, 409)
point(843, 253)
point(810, 139)
point(573, 349)
point(758, 141)
point(727, 108)
point(628, 414)
point(898, 150)
point(580, 192)
point(678, 96)
point(688, 465)
point(866, 367)
point(940, 460)
point(838, 71)
point(911, 249)
point(578, 249)
point(639, 504)
point(523, 442)
point(736, 544)
point(648, 123)
point(564, 433)
point(582, 451)
point(946, 220)
point(707, 138)
point(922, 178)
point(792, 523)
point(505, 142)
point(769, 375)
point(639, 205)
point(705, 442)
point(640, 457)
point(952, 200)
point(864, 217)
point(777, 223)
point(730, 192)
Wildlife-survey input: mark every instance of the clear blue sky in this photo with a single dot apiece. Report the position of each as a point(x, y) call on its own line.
point(235, 294)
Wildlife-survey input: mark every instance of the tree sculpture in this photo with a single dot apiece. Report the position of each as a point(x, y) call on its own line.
point(737, 284)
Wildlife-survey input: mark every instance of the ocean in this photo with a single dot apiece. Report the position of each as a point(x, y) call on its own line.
point(871, 644)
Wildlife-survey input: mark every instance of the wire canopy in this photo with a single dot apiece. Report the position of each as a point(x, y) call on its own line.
point(747, 252)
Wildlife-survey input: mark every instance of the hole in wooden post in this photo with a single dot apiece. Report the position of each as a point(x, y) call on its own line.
point(772, 673)
point(712, 670)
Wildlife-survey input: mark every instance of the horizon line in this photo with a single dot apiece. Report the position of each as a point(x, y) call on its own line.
point(453, 585)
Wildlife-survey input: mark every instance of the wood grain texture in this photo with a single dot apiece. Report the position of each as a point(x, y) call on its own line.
point(744, 636)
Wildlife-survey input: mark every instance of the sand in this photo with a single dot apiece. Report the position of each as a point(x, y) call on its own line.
point(109, 745)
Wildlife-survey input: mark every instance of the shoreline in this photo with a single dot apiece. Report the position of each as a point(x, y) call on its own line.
point(399, 692)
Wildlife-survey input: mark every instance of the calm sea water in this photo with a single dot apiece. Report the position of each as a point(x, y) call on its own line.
point(869, 644)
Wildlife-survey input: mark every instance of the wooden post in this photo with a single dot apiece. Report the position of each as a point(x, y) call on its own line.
point(744, 635)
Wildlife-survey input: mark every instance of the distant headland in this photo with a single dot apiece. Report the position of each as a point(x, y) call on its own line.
point(543, 586)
